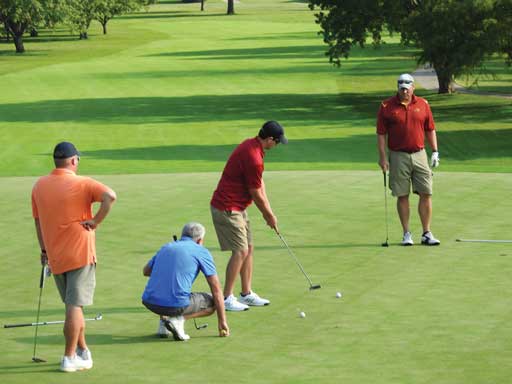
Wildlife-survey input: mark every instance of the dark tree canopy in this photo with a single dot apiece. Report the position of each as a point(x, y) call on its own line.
point(454, 36)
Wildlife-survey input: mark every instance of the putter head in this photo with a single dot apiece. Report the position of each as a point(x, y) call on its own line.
point(38, 360)
point(317, 286)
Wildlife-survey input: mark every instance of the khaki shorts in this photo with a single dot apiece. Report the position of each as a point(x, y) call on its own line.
point(76, 287)
point(199, 301)
point(406, 168)
point(233, 229)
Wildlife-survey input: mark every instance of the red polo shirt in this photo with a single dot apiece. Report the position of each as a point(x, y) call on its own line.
point(243, 171)
point(405, 125)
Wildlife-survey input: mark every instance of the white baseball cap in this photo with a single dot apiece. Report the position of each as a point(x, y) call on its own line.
point(405, 81)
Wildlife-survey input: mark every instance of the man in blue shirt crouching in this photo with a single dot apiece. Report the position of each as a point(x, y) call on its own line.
point(172, 271)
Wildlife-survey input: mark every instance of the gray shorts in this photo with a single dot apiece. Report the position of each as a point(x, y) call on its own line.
point(199, 301)
point(409, 168)
point(76, 287)
point(233, 229)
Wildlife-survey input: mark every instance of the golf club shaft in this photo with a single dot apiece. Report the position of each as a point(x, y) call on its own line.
point(483, 241)
point(36, 324)
point(41, 285)
point(295, 258)
point(386, 207)
point(202, 326)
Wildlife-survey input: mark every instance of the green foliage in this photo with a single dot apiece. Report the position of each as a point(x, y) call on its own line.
point(454, 36)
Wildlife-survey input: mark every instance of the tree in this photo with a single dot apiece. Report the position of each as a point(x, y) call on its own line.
point(18, 16)
point(81, 13)
point(231, 7)
point(454, 36)
point(107, 9)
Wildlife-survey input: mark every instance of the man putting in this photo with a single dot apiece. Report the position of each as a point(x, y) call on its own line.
point(242, 183)
point(405, 120)
point(65, 226)
point(172, 271)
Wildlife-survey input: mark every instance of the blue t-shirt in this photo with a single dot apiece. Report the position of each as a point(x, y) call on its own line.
point(174, 269)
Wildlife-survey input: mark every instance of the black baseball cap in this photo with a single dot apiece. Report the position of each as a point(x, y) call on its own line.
point(273, 129)
point(65, 150)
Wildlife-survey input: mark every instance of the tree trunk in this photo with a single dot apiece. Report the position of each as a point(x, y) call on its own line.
point(34, 32)
point(445, 80)
point(202, 5)
point(18, 42)
point(104, 25)
point(83, 35)
point(231, 7)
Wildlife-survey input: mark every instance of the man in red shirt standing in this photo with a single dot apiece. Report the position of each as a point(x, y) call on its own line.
point(65, 226)
point(241, 184)
point(405, 120)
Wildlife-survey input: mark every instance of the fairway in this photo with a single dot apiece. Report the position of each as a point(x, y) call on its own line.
point(408, 315)
point(156, 107)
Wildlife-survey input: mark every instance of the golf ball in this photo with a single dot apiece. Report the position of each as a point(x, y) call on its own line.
point(302, 314)
point(338, 295)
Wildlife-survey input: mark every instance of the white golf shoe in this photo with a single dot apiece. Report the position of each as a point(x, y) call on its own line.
point(407, 239)
point(232, 304)
point(86, 356)
point(428, 239)
point(73, 364)
point(177, 327)
point(253, 299)
point(162, 331)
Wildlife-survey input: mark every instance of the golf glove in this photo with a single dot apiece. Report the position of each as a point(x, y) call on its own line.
point(434, 159)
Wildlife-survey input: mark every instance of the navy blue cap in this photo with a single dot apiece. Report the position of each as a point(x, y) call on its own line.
point(65, 150)
point(273, 129)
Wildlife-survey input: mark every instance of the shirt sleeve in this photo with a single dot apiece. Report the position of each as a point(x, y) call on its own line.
point(253, 170)
point(96, 190)
point(429, 119)
point(381, 122)
point(206, 263)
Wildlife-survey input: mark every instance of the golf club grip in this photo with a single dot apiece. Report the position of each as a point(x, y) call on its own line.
point(175, 238)
point(41, 279)
point(18, 325)
point(384, 173)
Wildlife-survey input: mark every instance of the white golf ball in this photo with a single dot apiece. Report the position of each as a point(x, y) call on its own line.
point(338, 295)
point(302, 314)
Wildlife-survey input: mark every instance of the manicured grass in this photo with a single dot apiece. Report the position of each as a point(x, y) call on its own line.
point(408, 315)
point(174, 89)
point(156, 107)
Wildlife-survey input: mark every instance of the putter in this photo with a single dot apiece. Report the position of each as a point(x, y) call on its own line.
point(175, 238)
point(386, 244)
point(311, 285)
point(41, 285)
point(483, 241)
point(99, 316)
point(202, 326)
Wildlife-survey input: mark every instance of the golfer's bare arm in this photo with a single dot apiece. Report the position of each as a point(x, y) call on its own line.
point(44, 259)
point(432, 139)
point(381, 146)
point(259, 196)
point(218, 300)
point(107, 200)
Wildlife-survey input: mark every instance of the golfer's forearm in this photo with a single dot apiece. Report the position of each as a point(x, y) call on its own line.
point(260, 199)
point(107, 201)
point(381, 146)
point(432, 140)
point(39, 234)
point(218, 298)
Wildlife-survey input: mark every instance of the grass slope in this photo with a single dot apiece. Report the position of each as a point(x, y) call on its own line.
point(408, 315)
point(174, 89)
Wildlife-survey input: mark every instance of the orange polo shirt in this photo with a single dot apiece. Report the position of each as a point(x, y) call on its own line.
point(61, 200)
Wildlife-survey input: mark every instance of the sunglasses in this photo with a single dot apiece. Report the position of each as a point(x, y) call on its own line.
point(276, 140)
point(404, 82)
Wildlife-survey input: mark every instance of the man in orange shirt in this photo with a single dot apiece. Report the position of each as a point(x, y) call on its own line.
point(65, 225)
